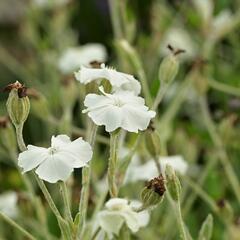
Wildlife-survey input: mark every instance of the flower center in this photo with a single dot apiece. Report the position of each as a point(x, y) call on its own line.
point(118, 102)
point(52, 150)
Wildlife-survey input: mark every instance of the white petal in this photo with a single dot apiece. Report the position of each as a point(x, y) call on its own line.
point(60, 141)
point(87, 75)
point(94, 101)
point(32, 157)
point(136, 118)
point(116, 203)
point(80, 151)
point(131, 219)
point(143, 216)
point(116, 79)
point(54, 168)
point(133, 85)
point(110, 222)
point(110, 117)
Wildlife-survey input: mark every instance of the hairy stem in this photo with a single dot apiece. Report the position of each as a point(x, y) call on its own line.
point(112, 164)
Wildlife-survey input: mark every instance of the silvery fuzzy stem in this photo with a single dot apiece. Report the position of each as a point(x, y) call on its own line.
point(183, 234)
point(86, 174)
point(65, 195)
point(19, 134)
point(115, 18)
point(112, 164)
point(161, 92)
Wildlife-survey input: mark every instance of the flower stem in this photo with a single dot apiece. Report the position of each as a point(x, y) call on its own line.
point(65, 195)
point(161, 92)
point(20, 141)
point(112, 163)
point(183, 234)
point(18, 227)
point(86, 174)
point(115, 18)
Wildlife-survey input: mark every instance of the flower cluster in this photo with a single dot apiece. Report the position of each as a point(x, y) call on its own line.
point(122, 108)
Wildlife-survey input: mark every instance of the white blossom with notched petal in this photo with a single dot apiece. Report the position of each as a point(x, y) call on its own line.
point(117, 79)
point(74, 57)
point(57, 162)
point(119, 211)
point(8, 204)
point(148, 170)
point(121, 109)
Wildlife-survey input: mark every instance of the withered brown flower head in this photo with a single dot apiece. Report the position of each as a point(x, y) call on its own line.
point(22, 90)
point(157, 185)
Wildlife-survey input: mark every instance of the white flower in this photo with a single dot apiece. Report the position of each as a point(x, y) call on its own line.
point(144, 172)
point(178, 38)
point(74, 57)
point(57, 162)
point(8, 204)
point(117, 79)
point(119, 211)
point(222, 23)
point(121, 109)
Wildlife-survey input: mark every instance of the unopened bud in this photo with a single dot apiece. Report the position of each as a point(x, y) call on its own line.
point(168, 68)
point(152, 141)
point(18, 104)
point(205, 232)
point(225, 210)
point(153, 193)
point(173, 183)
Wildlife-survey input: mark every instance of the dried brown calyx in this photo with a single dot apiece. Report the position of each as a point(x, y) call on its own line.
point(21, 89)
point(157, 185)
point(175, 51)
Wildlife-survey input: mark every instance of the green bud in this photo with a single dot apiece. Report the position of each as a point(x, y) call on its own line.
point(173, 183)
point(18, 104)
point(153, 193)
point(168, 69)
point(152, 141)
point(205, 232)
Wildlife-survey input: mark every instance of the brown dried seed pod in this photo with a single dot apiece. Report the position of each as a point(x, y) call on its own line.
point(157, 185)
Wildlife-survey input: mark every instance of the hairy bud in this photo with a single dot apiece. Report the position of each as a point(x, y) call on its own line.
point(153, 193)
point(18, 104)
